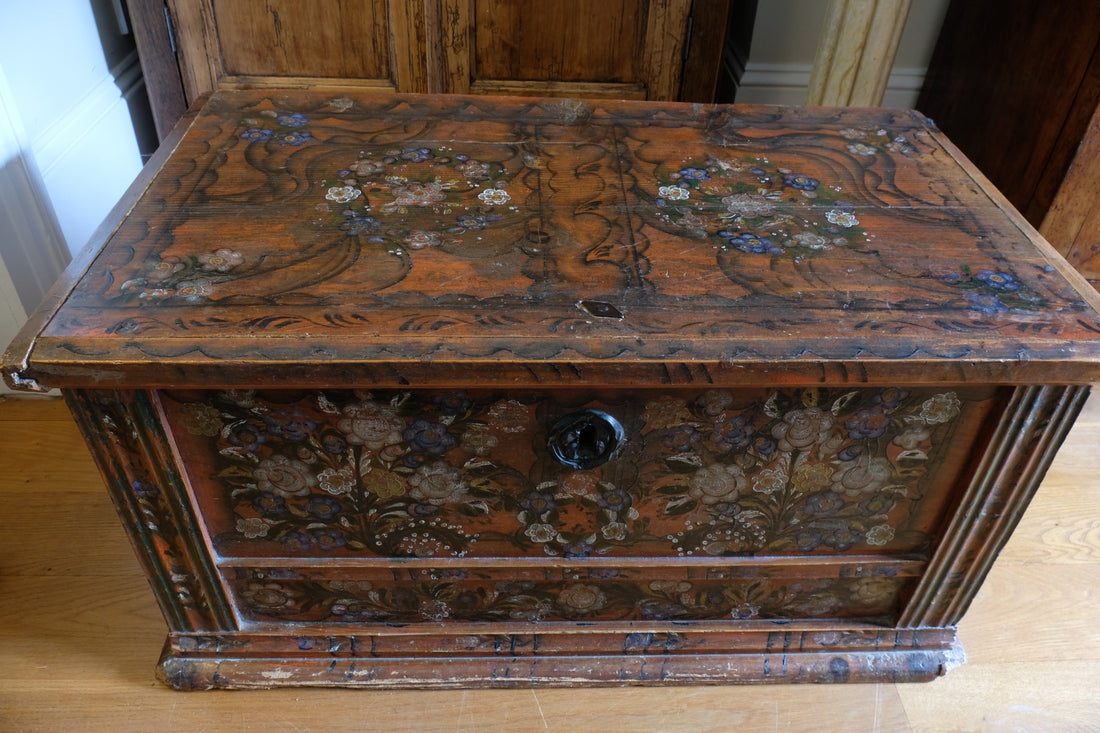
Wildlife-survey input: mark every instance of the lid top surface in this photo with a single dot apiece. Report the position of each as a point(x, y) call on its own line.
point(292, 226)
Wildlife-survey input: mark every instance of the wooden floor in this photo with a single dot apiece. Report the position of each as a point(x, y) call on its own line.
point(80, 633)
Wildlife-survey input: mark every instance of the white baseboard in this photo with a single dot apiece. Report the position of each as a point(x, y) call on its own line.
point(788, 83)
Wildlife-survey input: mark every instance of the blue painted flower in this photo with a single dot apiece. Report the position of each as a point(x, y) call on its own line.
point(842, 539)
point(765, 446)
point(416, 155)
point(333, 443)
point(328, 538)
point(144, 490)
point(247, 435)
point(294, 119)
point(323, 507)
point(877, 504)
point(294, 429)
point(694, 174)
point(890, 397)
point(801, 182)
point(998, 280)
point(850, 453)
point(824, 502)
point(808, 540)
point(867, 423)
point(538, 502)
point(350, 610)
point(754, 244)
point(269, 504)
point(988, 304)
point(732, 433)
point(615, 499)
point(356, 223)
point(474, 221)
point(461, 158)
point(758, 172)
point(418, 509)
point(452, 403)
point(257, 134)
point(579, 548)
point(681, 438)
point(429, 437)
point(296, 541)
point(726, 509)
point(414, 460)
point(295, 138)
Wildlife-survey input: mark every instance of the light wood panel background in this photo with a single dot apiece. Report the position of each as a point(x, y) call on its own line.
point(80, 632)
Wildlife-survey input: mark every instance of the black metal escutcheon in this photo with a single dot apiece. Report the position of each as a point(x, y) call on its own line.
point(585, 439)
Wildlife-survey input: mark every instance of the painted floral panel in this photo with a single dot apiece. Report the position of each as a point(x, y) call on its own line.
point(422, 474)
point(455, 595)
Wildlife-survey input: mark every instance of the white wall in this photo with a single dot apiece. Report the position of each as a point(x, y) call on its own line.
point(68, 149)
point(77, 123)
point(785, 39)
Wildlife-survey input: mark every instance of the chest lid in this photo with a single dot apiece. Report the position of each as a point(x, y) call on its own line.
point(305, 237)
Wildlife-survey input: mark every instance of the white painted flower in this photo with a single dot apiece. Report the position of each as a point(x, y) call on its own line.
point(418, 194)
point(284, 476)
point(802, 428)
point(539, 532)
point(367, 167)
point(438, 483)
point(880, 534)
point(194, 290)
point(743, 204)
point(581, 598)
point(842, 218)
point(343, 194)
point(717, 484)
point(615, 531)
point(674, 193)
point(875, 590)
point(864, 475)
point(861, 149)
point(940, 409)
point(371, 425)
point(222, 260)
point(810, 240)
point(252, 527)
point(494, 197)
point(337, 481)
point(769, 481)
point(420, 240)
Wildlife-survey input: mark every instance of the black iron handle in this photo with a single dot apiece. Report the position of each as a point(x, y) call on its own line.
point(585, 439)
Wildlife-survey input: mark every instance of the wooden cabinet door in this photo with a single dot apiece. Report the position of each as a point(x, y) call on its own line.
point(372, 44)
point(627, 49)
point(689, 50)
point(589, 48)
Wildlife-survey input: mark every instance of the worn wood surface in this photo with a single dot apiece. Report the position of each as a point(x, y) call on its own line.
point(1013, 83)
point(632, 49)
point(80, 629)
point(419, 240)
point(1073, 223)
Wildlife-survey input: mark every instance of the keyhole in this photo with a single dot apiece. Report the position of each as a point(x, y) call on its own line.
point(585, 439)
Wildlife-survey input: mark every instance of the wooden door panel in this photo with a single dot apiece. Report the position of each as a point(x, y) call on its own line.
point(321, 38)
point(572, 40)
point(586, 48)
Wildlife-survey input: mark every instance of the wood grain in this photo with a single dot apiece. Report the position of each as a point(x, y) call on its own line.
point(81, 659)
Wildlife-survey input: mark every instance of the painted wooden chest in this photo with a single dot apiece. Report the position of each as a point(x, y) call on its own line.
point(431, 391)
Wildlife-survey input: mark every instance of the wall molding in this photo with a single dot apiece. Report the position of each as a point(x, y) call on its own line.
point(769, 83)
point(56, 141)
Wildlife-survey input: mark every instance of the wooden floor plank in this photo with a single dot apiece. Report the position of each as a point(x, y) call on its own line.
point(80, 632)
